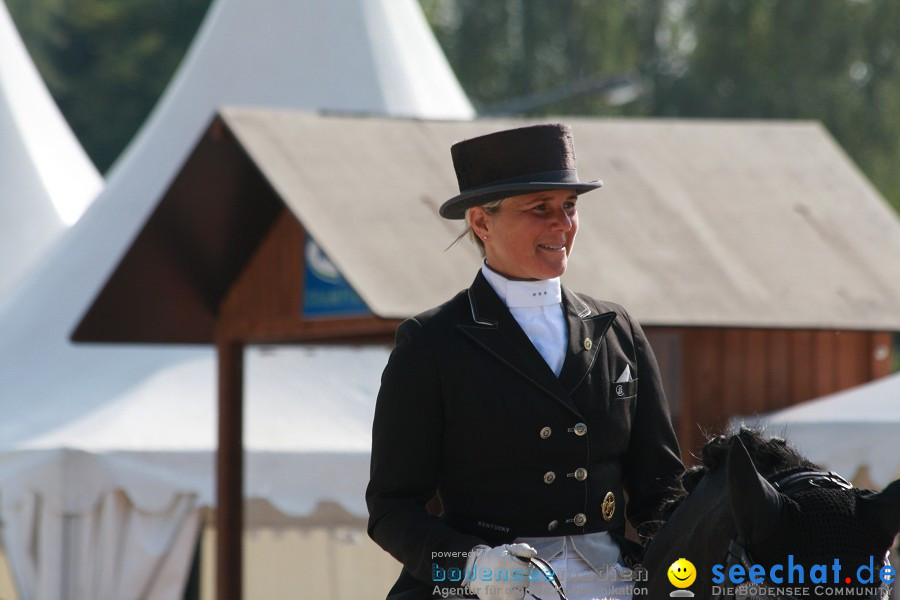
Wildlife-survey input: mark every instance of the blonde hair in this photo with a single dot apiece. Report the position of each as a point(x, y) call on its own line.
point(490, 208)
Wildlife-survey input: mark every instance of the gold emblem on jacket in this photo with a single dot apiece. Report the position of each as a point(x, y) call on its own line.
point(609, 506)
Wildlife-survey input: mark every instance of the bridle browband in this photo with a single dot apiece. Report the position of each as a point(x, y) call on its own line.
point(797, 482)
point(788, 485)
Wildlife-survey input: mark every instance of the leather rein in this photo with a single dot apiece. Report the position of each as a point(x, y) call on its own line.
point(544, 567)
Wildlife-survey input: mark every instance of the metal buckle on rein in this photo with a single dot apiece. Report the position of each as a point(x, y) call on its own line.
point(544, 567)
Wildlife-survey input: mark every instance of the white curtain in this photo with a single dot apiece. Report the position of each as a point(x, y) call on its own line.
point(62, 547)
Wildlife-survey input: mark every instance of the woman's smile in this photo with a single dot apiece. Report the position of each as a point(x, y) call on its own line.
point(531, 235)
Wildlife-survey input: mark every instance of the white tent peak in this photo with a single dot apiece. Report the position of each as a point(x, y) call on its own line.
point(46, 179)
point(361, 56)
point(351, 56)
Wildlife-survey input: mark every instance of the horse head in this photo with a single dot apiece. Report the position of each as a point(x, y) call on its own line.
point(786, 514)
point(818, 514)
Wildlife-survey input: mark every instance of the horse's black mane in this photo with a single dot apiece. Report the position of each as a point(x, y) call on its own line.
point(771, 455)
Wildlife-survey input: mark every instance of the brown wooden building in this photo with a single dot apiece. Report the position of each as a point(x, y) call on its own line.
point(715, 374)
point(763, 265)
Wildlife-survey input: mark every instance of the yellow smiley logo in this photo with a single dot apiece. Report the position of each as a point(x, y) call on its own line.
point(682, 573)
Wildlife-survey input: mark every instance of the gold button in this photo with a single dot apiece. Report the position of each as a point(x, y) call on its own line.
point(609, 506)
point(580, 519)
point(552, 525)
point(580, 429)
point(588, 343)
point(549, 477)
point(545, 432)
point(581, 474)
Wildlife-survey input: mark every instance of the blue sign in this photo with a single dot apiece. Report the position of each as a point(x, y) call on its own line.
point(325, 291)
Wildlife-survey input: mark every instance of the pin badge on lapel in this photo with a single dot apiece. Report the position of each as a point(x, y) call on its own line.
point(609, 506)
point(588, 343)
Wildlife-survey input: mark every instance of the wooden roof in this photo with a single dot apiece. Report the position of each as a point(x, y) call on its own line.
point(699, 223)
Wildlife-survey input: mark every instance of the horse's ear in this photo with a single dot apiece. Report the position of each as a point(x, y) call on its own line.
point(756, 506)
point(886, 506)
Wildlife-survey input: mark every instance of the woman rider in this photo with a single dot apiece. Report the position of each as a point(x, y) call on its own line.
point(535, 414)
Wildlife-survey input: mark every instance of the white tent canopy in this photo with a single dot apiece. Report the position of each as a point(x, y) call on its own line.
point(848, 431)
point(360, 56)
point(144, 463)
point(46, 179)
point(301, 402)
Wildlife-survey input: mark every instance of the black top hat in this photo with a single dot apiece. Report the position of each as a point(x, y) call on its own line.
point(512, 162)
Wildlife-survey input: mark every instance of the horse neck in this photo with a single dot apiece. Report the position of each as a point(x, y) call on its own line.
point(698, 530)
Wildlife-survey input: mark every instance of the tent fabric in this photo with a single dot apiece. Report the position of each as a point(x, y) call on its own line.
point(92, 553)
point(703, 223)
point(72, 530)
point(845, 432)
point(308, 415)
point(298, 399)
point(145, 467)
point(46, 179)
point(357, 56)
point(60, 381)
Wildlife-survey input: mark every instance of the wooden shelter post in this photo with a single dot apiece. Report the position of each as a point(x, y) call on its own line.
point(230, 470)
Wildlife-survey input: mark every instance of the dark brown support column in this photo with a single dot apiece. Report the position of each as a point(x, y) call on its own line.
point(230, 471)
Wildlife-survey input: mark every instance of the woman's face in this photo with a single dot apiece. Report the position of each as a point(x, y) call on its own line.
point(530, 236)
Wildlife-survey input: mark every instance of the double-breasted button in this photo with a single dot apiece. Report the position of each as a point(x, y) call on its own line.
point(580, 429)
point(549, 477)
point(580, 474)
point(552, 525)
point(545, 432)
point(580, 519)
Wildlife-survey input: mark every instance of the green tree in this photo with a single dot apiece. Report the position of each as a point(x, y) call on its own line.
point(507, 49)
point(836, 61)
point(106, 62)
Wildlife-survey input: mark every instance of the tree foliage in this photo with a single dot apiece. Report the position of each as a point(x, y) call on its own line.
point(106, 62)
point(836, 61)
point(506, 49)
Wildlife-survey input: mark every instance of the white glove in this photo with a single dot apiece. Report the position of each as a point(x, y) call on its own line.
point(500, 573)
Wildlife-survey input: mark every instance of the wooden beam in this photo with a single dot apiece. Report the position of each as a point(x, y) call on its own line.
point(230, 470)
point(295, 331)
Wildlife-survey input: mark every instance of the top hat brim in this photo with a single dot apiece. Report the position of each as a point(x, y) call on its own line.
point(455, 207)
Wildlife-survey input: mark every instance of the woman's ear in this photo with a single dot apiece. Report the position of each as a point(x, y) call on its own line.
point(480, 221)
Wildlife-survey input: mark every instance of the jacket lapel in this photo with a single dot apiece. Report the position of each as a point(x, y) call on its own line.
point(586, 331)
point(495, 329)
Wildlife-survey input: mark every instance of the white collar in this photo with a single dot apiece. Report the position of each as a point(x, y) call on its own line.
point(517, 293)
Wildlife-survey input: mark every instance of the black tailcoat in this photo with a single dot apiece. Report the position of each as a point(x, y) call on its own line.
point(469, 409)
